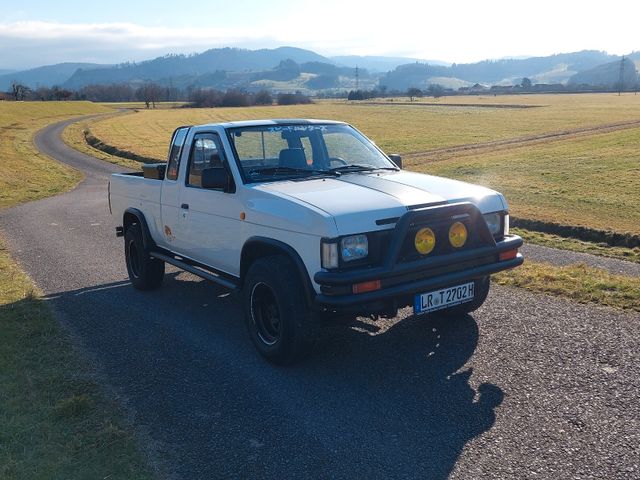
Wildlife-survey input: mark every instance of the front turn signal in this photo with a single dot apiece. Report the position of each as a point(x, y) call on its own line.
point(370, 286)
point(508, 255)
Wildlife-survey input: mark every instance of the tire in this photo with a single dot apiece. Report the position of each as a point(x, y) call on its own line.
point(482, 286)
point(281, 325)
point(145, 273)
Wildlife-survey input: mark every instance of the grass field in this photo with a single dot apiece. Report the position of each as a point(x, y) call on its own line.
point(25, 174)
point(396, 129)
point(54, 422)
point(589, 180)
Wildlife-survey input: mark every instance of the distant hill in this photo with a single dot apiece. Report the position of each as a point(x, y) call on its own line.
point(217, 59)
point(287, 69)
point(379, 64)
point(46, 76)
point(554, 68)
point(608, 75)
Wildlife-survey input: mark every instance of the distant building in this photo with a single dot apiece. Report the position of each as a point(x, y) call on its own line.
point(477, 88)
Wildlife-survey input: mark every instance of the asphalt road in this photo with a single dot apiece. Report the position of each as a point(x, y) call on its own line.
point(529, 386)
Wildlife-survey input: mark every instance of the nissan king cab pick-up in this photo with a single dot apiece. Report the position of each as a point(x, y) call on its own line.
point(309, 218)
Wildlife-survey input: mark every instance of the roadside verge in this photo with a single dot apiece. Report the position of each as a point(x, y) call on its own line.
point(56, 421)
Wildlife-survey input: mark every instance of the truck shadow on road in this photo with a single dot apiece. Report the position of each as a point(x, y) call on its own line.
point(388, 399)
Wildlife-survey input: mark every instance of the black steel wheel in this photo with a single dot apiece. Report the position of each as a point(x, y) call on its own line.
point(145, 272)
point(280, 322)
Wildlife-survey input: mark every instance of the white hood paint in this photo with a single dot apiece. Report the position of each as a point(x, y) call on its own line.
point(356, 201)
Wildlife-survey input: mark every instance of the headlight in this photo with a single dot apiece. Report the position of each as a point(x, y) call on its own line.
point(506, 225)
point(493, 222)
point(354, 247)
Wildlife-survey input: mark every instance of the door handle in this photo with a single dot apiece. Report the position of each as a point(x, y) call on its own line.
point(185, 206)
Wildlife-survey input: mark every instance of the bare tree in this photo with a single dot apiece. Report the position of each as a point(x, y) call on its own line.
point(436, 90)
point(19, 91)
point(413, 92)
point(149, 93)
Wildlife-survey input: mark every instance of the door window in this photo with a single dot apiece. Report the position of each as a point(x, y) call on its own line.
point(206, 152)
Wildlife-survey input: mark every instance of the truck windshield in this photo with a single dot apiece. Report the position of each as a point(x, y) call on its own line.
point(273, 152)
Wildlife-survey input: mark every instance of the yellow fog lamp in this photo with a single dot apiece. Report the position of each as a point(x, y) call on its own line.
point(425, 241)
point(457, 234)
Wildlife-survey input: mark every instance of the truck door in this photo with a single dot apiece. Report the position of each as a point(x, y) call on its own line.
point(211, 218)
point(170, 199)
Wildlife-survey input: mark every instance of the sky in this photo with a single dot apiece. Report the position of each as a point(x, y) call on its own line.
point(35, 33)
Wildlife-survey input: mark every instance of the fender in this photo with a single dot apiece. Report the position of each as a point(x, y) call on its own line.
point(127, 220)
point(257, 247)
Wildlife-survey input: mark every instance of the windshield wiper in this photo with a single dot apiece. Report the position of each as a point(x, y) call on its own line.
point(356, 167)
point(275, 170)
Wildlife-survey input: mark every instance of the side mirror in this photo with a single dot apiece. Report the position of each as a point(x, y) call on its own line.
point(216, 177)
point(397, 159)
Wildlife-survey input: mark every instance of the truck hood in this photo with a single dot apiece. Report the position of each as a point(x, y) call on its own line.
point(356, 201)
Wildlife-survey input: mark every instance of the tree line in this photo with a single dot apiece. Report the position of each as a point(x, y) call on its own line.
point(152, 93)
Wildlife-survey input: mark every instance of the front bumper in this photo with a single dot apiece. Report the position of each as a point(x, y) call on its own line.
point(402, 281)
point(399, 277)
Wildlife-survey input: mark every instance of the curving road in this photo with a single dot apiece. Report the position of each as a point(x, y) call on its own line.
point(530, 386)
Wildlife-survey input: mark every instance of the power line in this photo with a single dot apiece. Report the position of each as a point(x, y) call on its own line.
point(621, 77)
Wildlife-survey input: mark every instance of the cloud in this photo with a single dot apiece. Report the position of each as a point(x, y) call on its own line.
point(32, 43)
point(470, 31)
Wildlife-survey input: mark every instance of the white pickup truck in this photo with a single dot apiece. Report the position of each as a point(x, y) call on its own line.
point(309, 218)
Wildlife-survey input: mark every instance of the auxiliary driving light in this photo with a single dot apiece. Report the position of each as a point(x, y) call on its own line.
point(425, 241)
point(457, 234)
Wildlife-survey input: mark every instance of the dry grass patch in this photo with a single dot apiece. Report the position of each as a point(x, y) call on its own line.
point(575, 245)
point(74, 136)
point(577, 282)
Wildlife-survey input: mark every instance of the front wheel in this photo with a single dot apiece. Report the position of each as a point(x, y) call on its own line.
point(279, 320)
point(145, 272)
point(480, 295)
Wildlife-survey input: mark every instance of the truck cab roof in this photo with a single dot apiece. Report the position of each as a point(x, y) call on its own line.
point(267, 122)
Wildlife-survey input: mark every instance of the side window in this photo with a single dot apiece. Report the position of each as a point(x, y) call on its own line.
point(174, 153)
point(206, 152)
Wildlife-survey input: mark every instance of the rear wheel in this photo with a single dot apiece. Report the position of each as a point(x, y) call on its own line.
point(279, 320)
point(481, 290)
point(145, 272)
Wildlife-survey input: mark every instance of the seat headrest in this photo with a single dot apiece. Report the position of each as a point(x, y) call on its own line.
point(293, 158)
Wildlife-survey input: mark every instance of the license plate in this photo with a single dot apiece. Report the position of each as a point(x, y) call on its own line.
point(443, 298)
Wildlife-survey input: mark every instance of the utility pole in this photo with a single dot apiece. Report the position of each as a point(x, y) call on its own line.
point(621, 77)
point(357, 79)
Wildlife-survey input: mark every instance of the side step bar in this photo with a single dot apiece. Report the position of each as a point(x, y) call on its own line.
point(212, 277)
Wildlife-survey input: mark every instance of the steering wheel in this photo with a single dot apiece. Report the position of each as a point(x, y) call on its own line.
point(337, 162)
